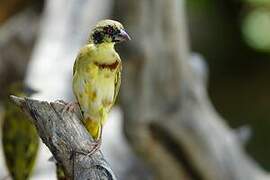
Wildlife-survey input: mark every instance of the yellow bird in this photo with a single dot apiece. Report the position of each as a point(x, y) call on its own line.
point(97, 76)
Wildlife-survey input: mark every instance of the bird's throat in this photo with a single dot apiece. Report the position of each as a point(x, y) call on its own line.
point(105, 54)
point(105, 48)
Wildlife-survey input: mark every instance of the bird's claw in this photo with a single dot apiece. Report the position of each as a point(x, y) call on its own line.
point(95, 147)
point(70, 107)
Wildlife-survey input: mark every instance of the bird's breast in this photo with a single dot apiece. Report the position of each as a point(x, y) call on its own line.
point(95, 85)
point(109, 66)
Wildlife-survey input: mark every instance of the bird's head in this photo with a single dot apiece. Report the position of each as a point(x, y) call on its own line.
point(108, 31)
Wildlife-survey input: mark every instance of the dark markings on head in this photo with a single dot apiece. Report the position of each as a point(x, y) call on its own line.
point(105, 31)
point(98, 37)
point(111, 31)
point(105, 34)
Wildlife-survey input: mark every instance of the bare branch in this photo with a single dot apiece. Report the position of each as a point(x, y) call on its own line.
point(67, 139)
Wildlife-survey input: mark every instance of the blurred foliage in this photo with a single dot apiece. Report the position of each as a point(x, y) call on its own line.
point(256, 25)
point(258, 2)
point(198, 3)
point(19, 137)
point(60, 172)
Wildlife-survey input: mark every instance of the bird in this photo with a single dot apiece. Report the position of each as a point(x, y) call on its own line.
point(19, 137)
point(97, 76)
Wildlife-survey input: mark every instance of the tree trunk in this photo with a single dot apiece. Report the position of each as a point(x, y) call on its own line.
point(169, 119)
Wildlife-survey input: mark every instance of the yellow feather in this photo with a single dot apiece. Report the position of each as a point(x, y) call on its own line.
point(96, 87)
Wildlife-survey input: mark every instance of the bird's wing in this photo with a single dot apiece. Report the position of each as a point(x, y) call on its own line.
point(76, 63)
point(75, 66)
point(117, 82)
point(85, 52)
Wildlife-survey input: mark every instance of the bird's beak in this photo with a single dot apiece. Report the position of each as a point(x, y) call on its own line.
point(122, 36)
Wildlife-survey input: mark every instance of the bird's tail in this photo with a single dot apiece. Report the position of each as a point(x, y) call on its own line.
point(93, 127)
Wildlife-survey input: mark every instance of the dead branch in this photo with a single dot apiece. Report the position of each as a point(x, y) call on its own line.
point(67, 139)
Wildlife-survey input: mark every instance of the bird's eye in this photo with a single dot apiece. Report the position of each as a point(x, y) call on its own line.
point(109, 30)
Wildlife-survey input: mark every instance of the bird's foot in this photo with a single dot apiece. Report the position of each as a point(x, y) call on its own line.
point(95, 147)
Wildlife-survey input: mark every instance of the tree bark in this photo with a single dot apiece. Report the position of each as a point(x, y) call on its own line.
point(169, 119)
point(67, 139)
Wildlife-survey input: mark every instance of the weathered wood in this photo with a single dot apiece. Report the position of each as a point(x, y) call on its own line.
point(169, 119)
point(67, 139)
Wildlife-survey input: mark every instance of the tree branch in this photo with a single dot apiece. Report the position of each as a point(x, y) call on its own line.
point(67, 139)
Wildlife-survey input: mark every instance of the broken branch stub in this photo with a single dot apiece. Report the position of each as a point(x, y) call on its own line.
point(67, 139)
